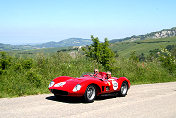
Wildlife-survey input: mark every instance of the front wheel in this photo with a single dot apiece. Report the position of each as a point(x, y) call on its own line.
point(90, 94)
point(124, 89)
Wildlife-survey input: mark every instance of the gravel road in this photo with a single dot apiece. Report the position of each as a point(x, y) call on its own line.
point(142, 101)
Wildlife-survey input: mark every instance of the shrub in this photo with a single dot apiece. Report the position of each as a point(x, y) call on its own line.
point(27, 64)
point(33, 78)
point(134, 57)
point(167, 60)
point(5, 61)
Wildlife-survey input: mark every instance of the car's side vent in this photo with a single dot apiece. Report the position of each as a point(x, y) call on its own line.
point(103, 88)
point(107, 88)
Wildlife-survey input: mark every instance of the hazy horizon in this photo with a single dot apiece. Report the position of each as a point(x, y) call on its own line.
point(30, 21)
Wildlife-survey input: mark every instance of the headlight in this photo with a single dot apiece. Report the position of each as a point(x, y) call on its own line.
point(59, 84)
point(51, 84)
point(77, 88)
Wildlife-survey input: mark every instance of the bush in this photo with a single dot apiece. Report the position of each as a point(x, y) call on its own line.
point(167, 60)
point(31, 75)
point(27, 64)
point(5, 61)
point(34, 78)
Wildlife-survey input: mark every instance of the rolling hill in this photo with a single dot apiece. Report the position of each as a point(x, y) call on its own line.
point(153, 35)
point(64, 43)
point(142, 46)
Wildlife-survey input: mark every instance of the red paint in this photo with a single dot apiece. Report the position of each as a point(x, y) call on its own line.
point(99, 82)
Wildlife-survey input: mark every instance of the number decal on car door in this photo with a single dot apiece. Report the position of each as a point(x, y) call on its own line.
point(115, 85)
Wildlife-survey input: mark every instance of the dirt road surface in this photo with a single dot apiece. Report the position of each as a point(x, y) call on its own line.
point(142, 101)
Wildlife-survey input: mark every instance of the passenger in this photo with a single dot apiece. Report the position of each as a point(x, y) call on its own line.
point(96, 71)
point(108, 75)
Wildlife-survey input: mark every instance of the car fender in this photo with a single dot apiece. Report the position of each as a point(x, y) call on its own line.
point(121, 80)
point(96, 83)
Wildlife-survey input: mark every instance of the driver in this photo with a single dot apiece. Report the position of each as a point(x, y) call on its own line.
point(108, 75)
point(96, 73)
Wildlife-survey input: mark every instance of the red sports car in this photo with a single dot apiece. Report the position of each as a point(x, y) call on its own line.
point(88, 86)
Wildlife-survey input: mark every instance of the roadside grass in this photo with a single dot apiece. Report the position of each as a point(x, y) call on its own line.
point(143, 72)
point(31, 74)
point(28, 76)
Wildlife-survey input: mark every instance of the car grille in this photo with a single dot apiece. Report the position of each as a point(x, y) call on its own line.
point(59, 92)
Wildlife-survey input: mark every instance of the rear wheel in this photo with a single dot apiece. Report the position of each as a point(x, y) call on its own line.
point(124, 89)
point(90, 94)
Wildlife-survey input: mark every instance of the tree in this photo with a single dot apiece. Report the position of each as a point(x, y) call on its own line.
point(107, 55)
point(100, 52)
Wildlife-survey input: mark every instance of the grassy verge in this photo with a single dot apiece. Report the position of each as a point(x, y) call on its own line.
point(27, 76)
point(31, 75)
point(143, 72)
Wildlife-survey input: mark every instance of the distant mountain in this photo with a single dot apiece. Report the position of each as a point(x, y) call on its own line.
point(81, 42)
point(153, 35)
point(4, 46)
point(8, 47)
point(66, 43)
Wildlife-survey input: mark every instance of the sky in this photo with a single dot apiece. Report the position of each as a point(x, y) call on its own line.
point(39, 21)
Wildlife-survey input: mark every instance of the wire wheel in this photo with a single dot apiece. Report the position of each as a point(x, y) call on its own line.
point(124, 89)
point(90, 93)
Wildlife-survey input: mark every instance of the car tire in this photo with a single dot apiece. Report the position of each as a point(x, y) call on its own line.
point(123, 90)
point(89, 94)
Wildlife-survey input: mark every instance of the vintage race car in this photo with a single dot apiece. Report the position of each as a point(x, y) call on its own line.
point(89, 86)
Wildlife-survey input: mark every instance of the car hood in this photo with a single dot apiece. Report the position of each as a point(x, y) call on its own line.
point(71, 82)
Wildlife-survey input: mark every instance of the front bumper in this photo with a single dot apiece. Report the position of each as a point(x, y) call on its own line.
point(59, 92)
point(66, 93)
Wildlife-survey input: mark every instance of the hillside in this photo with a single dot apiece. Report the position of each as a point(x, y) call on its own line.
point(4, 46)
point(142, 46)
point(153, 35)
point(64, 43)
point(8, 47)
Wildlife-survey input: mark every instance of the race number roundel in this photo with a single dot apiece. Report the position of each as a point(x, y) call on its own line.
point(115, 85)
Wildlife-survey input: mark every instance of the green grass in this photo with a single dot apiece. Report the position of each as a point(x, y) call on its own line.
point(125, 48)
point(143, 72)
point(31, 75)
point(28, 74)
point(36, 51)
